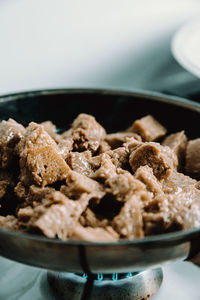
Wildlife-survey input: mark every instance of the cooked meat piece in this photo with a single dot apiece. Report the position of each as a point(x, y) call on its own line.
point(42, 165)
point(9, 222)
point(119, 157)
point(103, 147)
point(10, 134)
point(87, 133)
point(131, 143)
point(123, 185)
point(177, 209)
point(64, 148)
point(90, 234)
point(129, 222)
point(148, 128)
point(77, 184)
point(116, 140)
point(81, 162)
point(160, 158)
point(106, 170)
point(89, 218)
point(40, 161)
point(178, 182)
point(177, 142)
point(58, 217)
point(192, 158)
point(34, 137)
point(50, 128)
point(145, 174)
point(31, 196)
point(88, 185)
point(21, 191)
point(67, 134)
point(170, 212)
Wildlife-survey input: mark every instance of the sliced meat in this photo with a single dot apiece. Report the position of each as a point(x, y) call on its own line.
point(56, 218)
point(116, 140)
point(34, 137)
point(89, 218)
point(87, 133)
point(64, 148)
point(131, 143)
point(67, 134)
point(43, 166)
point(50, 128)
point(129, 223)
point(192, 158)
point(10, 134)
point(178, 208)
point(40, 161)
point(177, 142)
point(31, 196)
point(123, 185)
point(106, 170)
point(160, 158)
point(103, 147)
point(119, 157)
point(145, 175)
point(77, 184)
point(9, 222)
point(148, 128)
point(91, 234)
point(81, 162)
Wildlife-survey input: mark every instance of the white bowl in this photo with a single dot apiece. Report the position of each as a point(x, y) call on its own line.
point(185, 47)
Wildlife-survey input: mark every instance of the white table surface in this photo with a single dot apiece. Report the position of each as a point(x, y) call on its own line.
point(106, 44)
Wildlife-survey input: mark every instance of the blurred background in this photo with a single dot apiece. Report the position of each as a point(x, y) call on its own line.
point(107, 44)
point(99, 44)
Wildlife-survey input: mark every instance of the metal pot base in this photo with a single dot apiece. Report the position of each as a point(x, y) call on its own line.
point(128, 286)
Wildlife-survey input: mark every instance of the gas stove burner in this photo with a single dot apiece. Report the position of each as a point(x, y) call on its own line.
point(116, 286)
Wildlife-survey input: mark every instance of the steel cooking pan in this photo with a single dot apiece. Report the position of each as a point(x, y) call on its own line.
point(115, 110)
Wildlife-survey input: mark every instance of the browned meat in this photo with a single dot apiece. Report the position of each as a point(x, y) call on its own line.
point(42, 165)
point(57, 217)
point(148, 128)
point(160, 158)
point(10, 134)
point(50, 128)
point(145, 174)
point(31, 196)
point(90, 234)
point(119, 157)
point(77, 184)
point(129, 223)
point(9, 222)
point(67, 134)
point(87, 133)
point(34, 137)
point(103, 147)
point(116, 140)
point(88, 185)
point(192, 159)
point(123, 185)
point(106, 170)
point(40, 161)
point(131, 144)
point(177, 208)
point(64, 148)
point(89, 218)
point(177, 142)
point(81, 162)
